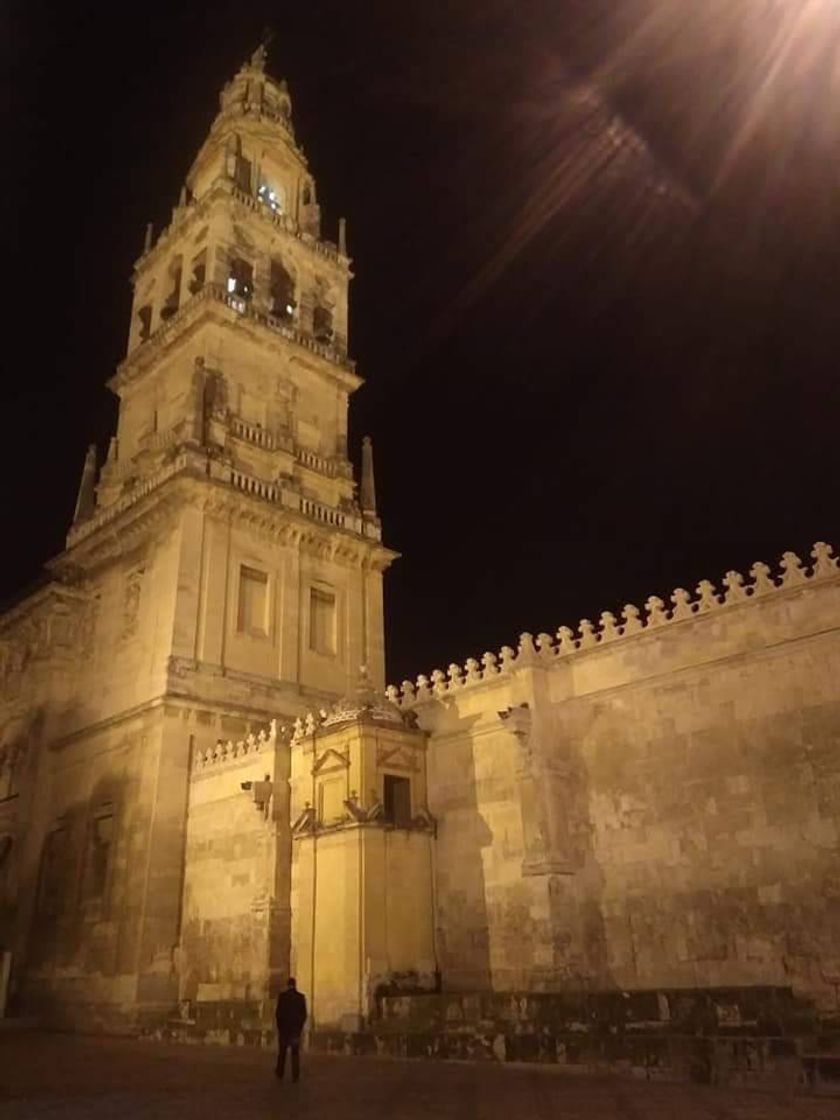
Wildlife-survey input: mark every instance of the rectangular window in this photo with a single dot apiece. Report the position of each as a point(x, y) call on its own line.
point(396, 800)
point(253, 601)
point(240, 278)
point(198, 272)
point(242, 175)
point(322, 626)
point(173, 298)
point(98, 856)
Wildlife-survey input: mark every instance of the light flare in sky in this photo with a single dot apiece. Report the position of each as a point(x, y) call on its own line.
point(764, 61)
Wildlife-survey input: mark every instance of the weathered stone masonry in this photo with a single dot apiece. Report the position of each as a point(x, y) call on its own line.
point(202, 789)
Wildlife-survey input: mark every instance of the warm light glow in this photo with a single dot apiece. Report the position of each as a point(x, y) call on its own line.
point(766, 61)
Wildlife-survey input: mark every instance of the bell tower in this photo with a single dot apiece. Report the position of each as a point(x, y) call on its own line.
point(220, 572)
point(237, 378)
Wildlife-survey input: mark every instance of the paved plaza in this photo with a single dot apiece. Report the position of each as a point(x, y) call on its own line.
point(48, 1075)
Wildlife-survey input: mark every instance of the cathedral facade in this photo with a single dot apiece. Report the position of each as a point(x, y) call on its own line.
point(205, 784)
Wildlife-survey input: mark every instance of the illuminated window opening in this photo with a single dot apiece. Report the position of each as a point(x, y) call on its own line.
point(173, 300)
point(281, 289)
point(198, 272)
point(240, 279)
point(322, 323)
point(144, 314)
point(271, 197)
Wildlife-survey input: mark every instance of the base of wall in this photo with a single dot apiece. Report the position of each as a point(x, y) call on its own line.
point(218, 1022)
point(748, 1037)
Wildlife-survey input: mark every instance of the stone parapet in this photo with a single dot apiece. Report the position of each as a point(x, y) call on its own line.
point(545, 651)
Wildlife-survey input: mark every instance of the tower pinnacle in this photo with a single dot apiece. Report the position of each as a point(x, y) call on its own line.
point(367, 490)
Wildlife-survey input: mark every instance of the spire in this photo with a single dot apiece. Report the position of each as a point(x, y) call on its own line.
point(367, 493)
point(86, 501)
point(260, 55)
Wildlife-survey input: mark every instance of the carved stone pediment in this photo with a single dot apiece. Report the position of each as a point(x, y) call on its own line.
point(397, 758)
point(331, 760)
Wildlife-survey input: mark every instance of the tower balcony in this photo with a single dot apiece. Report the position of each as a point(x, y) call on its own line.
point(191, 462)
point(214, 295)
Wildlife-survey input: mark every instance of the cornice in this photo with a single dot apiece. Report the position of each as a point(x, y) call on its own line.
point(120, 528)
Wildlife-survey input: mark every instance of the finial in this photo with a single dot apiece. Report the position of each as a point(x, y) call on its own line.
point(367, 491)
point(260, 55)
point(342, 236)
point(86, 501)
point(147, 244)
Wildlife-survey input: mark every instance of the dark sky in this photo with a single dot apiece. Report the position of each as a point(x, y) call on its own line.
point(596, 294)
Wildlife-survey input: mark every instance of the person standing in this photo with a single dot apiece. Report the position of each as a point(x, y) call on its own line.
point(290, 1016)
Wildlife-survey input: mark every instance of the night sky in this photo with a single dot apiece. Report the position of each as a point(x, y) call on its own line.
point(596, 256)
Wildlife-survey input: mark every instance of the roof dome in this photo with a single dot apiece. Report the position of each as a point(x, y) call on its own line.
point(366, 703)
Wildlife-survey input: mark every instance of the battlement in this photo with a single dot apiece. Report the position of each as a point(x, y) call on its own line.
point(239, 750)
point(793, 575)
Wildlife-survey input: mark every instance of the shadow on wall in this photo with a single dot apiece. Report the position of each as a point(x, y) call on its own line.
point(558, 832)
point(86, 902)
point(461, 913)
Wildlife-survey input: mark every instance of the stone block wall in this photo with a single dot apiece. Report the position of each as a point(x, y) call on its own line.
point(653, 805)
point(234, 945)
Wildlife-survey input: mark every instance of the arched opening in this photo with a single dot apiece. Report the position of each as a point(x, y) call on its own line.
point(173, 299)
point(322, 323)
point(281, 290)
point(240, 279)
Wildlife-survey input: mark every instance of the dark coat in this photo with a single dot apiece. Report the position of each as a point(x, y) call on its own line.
point(290, 1013)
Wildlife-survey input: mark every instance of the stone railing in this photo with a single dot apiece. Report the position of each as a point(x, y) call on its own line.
point(215, 292)
point(284, 222)
point(317, 463)
point(289, 499)
point(252, 433)
point(545, 649)
point(319, 512)
point(259, 487)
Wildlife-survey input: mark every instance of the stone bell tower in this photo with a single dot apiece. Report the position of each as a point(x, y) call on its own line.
point(223, 571)
point(237, 377)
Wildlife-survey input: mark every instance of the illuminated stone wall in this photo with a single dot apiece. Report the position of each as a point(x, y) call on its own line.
point(219, 573)
point(664, 810)
point(362, 887)
point(234, 937)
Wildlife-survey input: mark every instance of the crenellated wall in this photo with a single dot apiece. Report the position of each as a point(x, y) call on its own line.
point(650, 803)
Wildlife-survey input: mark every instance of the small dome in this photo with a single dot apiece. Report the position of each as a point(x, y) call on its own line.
point(364, 702)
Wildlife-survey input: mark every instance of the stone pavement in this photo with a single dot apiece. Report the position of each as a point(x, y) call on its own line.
point(45, 1076)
